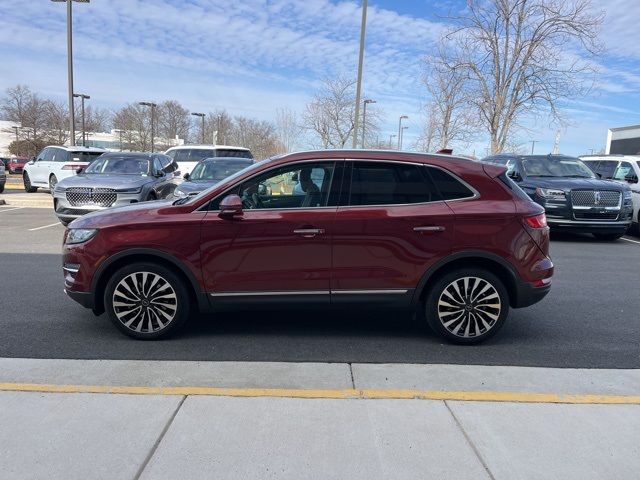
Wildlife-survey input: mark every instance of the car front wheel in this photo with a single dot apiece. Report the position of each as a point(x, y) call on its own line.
point(467, 306)
point(53, 181)
point(147, 301)
point(27, 184)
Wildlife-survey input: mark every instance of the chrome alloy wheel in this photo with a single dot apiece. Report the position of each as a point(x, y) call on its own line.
point(145, 302)
point(469, 307)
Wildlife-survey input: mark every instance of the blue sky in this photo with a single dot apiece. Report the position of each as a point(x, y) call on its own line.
point(253, 56)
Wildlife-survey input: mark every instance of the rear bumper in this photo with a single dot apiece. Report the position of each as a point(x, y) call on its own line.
point(527, 294)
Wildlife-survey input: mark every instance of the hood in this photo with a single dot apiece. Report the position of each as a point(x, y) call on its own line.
point(127, 214)
point(195, 186)
point(105, 181)
point(565, 183)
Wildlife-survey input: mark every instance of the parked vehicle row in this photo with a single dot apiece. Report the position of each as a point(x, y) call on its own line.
point(188, 156)
point(574, 198)
point(453, 238)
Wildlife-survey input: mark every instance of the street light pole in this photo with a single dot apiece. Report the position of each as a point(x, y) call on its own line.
point(533, 144)
point(153, 107)
point(72, 124)
point(120, 132)
point(16, 128)
point(402, 117)
point(402, 136)
point(391, 137)
point(83, 97)
point(359, 81)
point(364, 117)
point(201, 115)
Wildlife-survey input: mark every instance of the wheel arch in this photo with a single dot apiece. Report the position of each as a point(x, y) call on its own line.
point(492, 262)
point(117, 261)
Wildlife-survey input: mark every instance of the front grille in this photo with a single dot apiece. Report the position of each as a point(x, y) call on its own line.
point(595, 198)
point(100, 197)
point(595, 216)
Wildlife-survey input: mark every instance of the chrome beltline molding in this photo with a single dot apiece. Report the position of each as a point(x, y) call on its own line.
point(308, 292)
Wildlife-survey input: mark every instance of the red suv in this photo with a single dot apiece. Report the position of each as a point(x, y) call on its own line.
point(454, 238)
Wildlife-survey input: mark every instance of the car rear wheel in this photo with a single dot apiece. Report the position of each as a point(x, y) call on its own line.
point(608, 236)
point(147, 301)
point(467, 306)
point(27, 184)
point(53, 181)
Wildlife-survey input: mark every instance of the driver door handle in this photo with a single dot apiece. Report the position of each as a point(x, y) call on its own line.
point(436, 228)
point(309, 232)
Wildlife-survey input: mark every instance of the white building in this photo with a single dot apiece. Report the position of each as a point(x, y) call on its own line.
point(7, 135)
point(623, 140)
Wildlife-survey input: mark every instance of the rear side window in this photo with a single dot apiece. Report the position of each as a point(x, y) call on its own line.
point(514, 187)
point(182, 155)
point(198, 154)
point(60, 155)
point(380, 183)
point(449, 186)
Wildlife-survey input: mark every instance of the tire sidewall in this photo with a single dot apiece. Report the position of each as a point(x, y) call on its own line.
point(431, 304)
point(183, 300)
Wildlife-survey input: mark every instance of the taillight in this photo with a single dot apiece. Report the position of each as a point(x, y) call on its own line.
point(537, 221)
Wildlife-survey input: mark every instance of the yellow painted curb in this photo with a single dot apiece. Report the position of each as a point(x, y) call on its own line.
point(389, 394)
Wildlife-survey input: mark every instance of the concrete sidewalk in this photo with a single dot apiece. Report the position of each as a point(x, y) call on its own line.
point(255, 430)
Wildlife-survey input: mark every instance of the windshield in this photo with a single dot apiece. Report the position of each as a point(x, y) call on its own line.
point(84, 156)
point(119, 165)
point(556, 167)
point(239, 173)
point(217, 170)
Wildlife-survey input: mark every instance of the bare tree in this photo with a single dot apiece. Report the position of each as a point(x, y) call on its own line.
point(218, 127)
point(428, 139)
point(173, 120)
point(288, 129)
point(134, 120)
point(524, 57)
point(258, 135)
point(329, 116)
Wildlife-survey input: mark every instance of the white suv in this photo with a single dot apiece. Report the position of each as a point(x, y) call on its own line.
point(187, 156)
point(55, 163)
point(621, 168)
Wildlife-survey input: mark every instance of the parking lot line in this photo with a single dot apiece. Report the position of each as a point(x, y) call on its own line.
point(10, 209)
point(629, 240)
point(364, 394)
point(46, 226)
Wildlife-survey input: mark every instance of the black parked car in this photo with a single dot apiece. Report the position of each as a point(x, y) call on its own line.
point(574, 198)
point(115, 179)
point(208, 172)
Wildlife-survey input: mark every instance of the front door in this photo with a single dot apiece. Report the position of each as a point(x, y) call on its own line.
point(390, 227)
point(280, 248)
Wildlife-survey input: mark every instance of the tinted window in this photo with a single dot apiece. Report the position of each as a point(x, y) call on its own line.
point(624, 169)
point(217, 170)
point(199, 154)
point(45, 155)
point(379, 183)
point(164, 162)
point(60, 155)
point(232, 153)
point(182, 155)
point(84, 156)
point(171, 154)
point(450, 187)
point(114, 164)
point(157, 165)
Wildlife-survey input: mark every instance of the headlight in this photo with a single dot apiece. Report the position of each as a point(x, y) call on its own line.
point(80, 235)
point(129, 190)
point(627, 195)
point(551, 193)
point(59, 189)
point(179, 194)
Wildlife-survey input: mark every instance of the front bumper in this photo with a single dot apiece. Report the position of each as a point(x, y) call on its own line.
point(83, 298)
point(68, 212)
point(588, 226)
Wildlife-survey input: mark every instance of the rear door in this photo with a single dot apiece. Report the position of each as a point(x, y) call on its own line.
point(280, 248)
point(391, 225)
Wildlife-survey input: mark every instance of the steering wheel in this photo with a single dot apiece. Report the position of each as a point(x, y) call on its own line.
point(255, 199)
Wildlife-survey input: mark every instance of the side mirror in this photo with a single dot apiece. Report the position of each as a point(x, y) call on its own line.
point(514, 175)
point(186, 176)
point(79, 170)
point(230, 206)
point(633, 178)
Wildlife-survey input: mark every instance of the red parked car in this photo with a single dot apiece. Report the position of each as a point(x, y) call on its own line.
point(16, 164)
point(454, 238)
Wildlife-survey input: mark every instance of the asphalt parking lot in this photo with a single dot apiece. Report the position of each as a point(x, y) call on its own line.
point(591, 319)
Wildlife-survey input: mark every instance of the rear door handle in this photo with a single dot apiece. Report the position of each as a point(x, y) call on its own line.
point(436, 228)
point(309, 232)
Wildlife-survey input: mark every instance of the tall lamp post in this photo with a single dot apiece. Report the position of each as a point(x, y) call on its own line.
point(364, 117)
point(153, 108)
point(391, 137)
point(83, 97)
point(402, 136)
point(359, 81)
point(16, 128)
point(201, 115)
point(72, 120)
point(402, 117)
point(533, 145)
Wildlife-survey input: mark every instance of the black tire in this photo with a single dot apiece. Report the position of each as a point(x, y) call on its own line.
point(27, 184)
point(467, 319)
point(2, 188)
point(132, 276)
point(53, 181)
point(609, 237)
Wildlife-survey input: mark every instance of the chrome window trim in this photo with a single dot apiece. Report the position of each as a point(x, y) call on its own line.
point(268, 170)
point(267, 293)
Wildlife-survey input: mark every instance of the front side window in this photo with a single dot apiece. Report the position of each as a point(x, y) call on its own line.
point(182, 155)
point(381, 183)
point(303, 185)
point(45, 155)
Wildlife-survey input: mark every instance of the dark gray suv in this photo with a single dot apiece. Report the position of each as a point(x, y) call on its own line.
point(115, 179)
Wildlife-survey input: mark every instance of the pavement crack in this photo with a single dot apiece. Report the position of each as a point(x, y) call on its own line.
point(160, 437)
point(468, 439)
point(353, 383)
